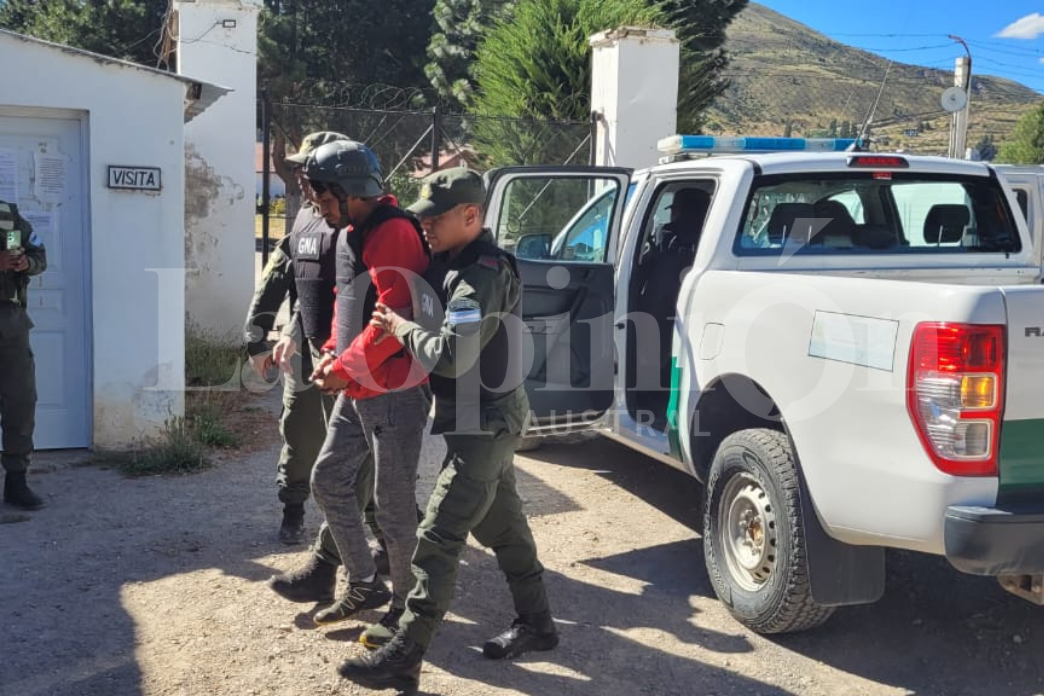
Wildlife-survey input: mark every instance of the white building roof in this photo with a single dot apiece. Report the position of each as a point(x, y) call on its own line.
point(199, 95)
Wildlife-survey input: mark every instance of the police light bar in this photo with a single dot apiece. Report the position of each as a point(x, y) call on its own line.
point(678, 144)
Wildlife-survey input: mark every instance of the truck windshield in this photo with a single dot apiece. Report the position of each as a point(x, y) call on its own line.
point(868, 213)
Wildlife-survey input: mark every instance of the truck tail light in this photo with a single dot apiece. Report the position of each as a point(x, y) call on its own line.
point(955, 389)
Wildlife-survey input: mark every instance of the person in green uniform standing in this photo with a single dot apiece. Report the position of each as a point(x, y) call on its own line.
point(475, 364)
point(21, 255)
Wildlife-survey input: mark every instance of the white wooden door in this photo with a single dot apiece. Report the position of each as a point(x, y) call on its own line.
point(42, 164)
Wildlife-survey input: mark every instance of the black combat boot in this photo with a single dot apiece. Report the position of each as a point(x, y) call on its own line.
point(527, 632)
point(315, 581)
point(18, 493)
point(396, 665)
point(292, 530)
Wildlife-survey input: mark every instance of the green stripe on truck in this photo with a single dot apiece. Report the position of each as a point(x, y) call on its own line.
point(673, 432)
point(1021, 458)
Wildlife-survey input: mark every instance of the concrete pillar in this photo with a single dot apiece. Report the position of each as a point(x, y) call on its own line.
point(217, 43)
point(960, 119)
point(634, 94)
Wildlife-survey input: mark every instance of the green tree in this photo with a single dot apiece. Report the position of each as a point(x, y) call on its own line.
point(701, 26)
point(352, 53)
point(1026, 144)
point(461, 25)
point(127, 29)
point(536, 64)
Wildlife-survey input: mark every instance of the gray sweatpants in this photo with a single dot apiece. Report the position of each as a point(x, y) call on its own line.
point(392, 426)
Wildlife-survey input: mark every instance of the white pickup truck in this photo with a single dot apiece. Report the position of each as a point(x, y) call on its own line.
point(845, 347)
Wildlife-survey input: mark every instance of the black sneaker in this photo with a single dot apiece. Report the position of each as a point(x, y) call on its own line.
point(395, 666)
point(357, 597)
point(315, 581)
point(527, 632)
point(379, 634)
point(292, 530)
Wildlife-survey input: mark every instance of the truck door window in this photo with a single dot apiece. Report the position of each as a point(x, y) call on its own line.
point(563, 218)
point(1023, 198)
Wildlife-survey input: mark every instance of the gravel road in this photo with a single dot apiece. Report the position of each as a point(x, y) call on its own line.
point(126, 587)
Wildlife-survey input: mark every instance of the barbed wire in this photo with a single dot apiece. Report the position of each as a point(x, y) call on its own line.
point(322, 94)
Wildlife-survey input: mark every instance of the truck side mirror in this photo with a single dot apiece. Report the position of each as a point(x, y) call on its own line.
point(533, 246)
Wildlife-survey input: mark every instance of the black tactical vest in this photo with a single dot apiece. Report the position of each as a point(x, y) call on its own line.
point(356, 293)
point(312, 250)
point(500, 375)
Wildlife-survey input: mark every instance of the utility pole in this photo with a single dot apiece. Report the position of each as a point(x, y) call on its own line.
point(960, 120)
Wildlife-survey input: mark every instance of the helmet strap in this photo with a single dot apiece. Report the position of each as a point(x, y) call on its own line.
point(342, 203)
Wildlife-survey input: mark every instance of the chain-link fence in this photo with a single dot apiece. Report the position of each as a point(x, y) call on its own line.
point(410, 144)
point(793, 94)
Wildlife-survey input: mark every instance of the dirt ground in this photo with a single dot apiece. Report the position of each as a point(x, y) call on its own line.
point(155, 587)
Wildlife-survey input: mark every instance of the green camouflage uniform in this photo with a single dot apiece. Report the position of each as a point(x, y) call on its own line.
point(476, 491)
point(18, 372)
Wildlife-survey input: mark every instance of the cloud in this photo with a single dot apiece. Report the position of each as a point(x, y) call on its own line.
point(1029, 27)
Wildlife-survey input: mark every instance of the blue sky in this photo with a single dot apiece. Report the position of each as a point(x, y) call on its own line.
point(1006, 37)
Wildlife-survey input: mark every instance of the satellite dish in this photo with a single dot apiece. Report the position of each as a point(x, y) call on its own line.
point(954, 99)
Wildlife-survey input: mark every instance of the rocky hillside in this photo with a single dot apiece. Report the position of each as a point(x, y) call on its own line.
point(788, 78)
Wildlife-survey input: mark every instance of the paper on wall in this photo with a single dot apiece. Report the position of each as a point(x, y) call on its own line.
point(8, 175)
point(50, 177)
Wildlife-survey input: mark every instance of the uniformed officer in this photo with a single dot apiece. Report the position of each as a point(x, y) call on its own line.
point(21, 255)
point(300, 269)
point(475, 492)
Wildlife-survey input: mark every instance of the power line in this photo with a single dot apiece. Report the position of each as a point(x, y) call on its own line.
point(893, 36)
point(1011, 51)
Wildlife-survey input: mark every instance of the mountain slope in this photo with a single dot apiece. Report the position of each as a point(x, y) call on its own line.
point(784, 72)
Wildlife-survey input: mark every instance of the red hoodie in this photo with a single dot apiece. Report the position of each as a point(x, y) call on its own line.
point(375, 368)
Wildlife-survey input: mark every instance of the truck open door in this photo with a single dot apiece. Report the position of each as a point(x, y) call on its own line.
point(562, 223)
point(1028, 186)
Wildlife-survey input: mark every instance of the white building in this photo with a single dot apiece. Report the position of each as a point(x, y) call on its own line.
point(217, 42)
point(93, 151)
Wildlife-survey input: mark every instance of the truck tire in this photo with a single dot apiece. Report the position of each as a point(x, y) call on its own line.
point(753, 539)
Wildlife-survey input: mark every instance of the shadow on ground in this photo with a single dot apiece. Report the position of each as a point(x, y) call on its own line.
point(936, 631)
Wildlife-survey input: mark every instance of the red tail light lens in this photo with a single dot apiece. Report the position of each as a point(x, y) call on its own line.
point(955, 394)
point(878, 161)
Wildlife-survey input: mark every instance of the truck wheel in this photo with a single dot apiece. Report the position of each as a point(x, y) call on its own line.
point(753, 539)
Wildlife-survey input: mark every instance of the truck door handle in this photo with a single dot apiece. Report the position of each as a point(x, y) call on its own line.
point(621, 324)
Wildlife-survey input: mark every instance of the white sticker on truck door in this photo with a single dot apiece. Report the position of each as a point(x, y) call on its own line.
point(849, 338)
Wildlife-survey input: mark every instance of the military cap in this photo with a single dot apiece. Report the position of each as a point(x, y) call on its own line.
point(442, 191)
point(311, 143)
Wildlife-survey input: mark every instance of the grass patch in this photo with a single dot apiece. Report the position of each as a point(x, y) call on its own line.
point(177, 451)
point(185, 443)
point(209, 363)
point(206, 413)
